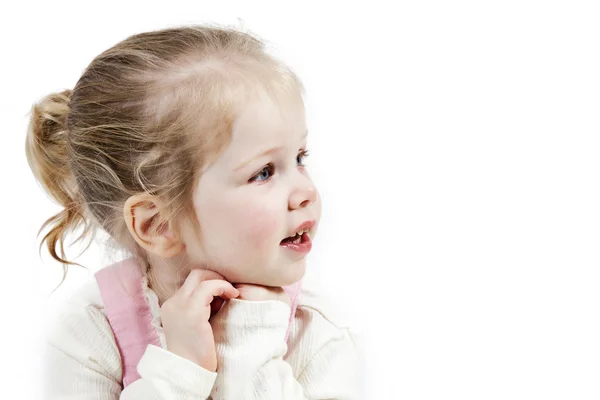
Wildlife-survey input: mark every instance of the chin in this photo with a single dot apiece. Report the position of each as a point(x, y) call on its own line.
point(282, 280)
point(294, 276)
point(284, 274)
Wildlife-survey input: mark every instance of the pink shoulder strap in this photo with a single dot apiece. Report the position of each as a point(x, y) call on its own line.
point(294, 292)
point(129, 314)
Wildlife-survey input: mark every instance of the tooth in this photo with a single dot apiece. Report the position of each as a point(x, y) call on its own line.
point(300, 232)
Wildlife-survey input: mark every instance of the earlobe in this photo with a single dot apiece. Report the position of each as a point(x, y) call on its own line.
point(142, 216)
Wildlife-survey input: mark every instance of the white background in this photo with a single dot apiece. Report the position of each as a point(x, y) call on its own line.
point(456, 148)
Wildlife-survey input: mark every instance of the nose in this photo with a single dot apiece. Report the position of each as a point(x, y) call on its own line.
point(303, 194)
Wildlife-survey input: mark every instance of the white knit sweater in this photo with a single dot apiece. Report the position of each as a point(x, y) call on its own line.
point(82, 361)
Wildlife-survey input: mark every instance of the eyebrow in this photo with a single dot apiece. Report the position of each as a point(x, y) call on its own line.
point(264, 153)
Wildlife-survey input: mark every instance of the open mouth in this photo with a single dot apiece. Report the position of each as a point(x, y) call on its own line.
point(297, 238)
point(300, 237)
point(300, 242)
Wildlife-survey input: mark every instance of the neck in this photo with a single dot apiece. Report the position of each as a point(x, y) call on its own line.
point(165, 276)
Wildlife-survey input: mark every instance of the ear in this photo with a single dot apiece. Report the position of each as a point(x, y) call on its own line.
point(142, 213)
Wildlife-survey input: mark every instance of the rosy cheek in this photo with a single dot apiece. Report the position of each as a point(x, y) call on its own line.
point(260, 227)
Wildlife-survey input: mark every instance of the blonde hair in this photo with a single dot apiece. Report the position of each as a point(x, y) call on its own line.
point(145, 117)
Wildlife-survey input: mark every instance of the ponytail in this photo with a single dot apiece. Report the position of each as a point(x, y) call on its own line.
point(47, 151)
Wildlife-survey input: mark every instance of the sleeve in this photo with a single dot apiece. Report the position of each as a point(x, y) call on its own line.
point(250, 345)
point(82, 362)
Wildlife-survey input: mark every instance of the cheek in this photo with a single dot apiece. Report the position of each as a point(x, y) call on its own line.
point(259, 227)
point(239, 222)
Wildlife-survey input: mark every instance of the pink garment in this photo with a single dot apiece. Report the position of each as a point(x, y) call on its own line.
point(130, 318)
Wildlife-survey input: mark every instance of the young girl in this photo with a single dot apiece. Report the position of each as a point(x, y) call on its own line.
point(187, 147)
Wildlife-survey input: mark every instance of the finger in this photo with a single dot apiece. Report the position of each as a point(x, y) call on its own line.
point(208, 274)
point(196, 277)
point(208, 290)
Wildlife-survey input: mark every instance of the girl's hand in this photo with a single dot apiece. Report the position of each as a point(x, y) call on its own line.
point(185, 317)
point(259, 293)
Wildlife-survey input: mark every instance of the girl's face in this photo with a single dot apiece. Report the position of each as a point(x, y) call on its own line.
point(253, 196)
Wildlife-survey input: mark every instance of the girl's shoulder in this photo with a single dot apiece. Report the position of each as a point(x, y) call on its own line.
point(82, 311)
point(320, 318)
point(88, 294)
point(313, 300)
point(82, 307)
point(319, 330)
point(78, 328)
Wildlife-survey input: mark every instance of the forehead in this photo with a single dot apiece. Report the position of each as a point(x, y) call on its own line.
point(267, 122)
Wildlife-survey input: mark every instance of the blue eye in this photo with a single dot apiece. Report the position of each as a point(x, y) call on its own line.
point(264, 173)
point(301, 156)
point(267, 172)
